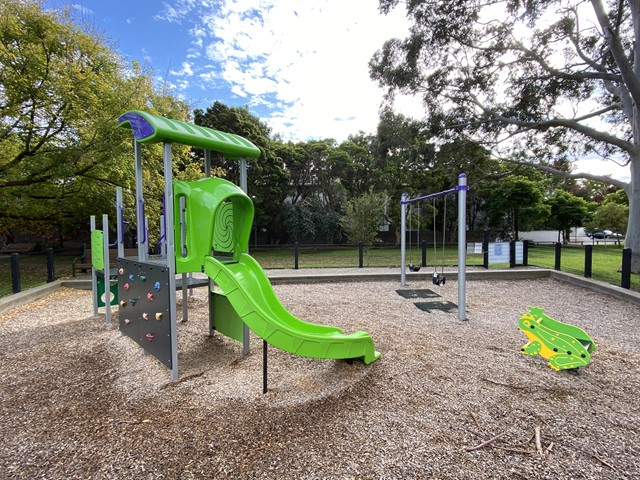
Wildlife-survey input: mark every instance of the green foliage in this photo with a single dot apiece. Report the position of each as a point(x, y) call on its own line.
point(309, 220)
point(61, 92)
point(619, 197)
point(567, 211)
point(268, 179)
point(610, 216)
point(517, 204)
point(363, 217)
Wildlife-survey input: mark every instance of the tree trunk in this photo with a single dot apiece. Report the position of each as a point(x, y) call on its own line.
point(632, 238)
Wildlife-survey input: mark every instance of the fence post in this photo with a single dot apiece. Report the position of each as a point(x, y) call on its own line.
point(558, 255)
point(360, 254)
point(51, 274)
point(588, 260)
point(424, 253)
point(525, 253)
point(295, 255)
point(512, 254)
point(15, 272)
point(625, 282)
point(485, 249)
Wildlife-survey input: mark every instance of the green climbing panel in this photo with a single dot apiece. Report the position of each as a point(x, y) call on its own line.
point(97, 249)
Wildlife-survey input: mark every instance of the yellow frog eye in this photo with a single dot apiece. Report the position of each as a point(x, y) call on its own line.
point(526, 323)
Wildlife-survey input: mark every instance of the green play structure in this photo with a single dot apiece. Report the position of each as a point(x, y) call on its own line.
point(101, 276)
point(565, 346)
point(206, 226)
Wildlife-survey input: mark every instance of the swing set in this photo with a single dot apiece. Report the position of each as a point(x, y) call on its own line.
point(439, 278)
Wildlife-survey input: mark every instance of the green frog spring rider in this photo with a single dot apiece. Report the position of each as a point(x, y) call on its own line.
point(565, 346)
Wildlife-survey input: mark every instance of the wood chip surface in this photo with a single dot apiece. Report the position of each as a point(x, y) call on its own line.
point(448, 399)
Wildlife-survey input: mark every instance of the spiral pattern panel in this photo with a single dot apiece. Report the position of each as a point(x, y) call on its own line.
point(223, 228)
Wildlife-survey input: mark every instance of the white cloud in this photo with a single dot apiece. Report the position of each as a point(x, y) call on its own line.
point(306, 61)
point(186, 70)
point(177, 12)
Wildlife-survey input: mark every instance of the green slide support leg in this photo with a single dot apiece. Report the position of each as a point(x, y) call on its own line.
point(251, 295)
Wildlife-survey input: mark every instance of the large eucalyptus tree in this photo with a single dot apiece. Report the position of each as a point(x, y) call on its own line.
point(539, 81)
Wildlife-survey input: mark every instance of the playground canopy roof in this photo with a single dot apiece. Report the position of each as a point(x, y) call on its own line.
point(150, 128)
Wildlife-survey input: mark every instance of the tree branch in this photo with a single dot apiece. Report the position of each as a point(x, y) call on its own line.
point(545, 168)
point(617, 51)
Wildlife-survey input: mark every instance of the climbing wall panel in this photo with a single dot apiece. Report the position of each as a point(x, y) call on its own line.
point(144, 310)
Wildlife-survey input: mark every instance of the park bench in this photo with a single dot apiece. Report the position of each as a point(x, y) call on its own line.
point(18, 248)
point(83, 262)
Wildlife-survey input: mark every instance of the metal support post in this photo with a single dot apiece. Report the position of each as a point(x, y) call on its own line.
point(106, 268)
point(462, 245)
point(120, 221)
point(243, 186)
point(140, 220)
point(170, 259)
point(94, 278)
point(264, 366)
point(403, 239)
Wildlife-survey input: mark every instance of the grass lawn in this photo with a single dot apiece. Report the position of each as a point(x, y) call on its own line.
point(347, 256)
point(33, 270)
point(606, 261)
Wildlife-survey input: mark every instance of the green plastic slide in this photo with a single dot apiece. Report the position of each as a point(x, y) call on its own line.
point(251, 295)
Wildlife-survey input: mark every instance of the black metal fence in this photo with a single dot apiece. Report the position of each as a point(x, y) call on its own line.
point(21, 271)
point(608, 263)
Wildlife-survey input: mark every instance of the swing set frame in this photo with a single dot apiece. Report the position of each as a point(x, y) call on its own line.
point(461, 188)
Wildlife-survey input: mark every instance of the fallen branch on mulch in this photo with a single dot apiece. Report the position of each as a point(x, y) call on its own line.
point(484, 444)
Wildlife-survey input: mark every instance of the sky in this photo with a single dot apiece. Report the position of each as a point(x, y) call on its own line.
point(301, 66)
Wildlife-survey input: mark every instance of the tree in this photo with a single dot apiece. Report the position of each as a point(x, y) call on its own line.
point(267, 178)
point(309, 220)
point(358, 175)
point(61, 92)
point(610, 216)
point(517, 204)
point(546, 81)
point(567, 211)
point(363, 218)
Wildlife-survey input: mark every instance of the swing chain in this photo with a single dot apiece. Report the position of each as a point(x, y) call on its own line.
point(439, 278)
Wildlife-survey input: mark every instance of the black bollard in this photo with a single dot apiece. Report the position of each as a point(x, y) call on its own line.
point(588, 260)
point(51, 274)
point(625, 282)
point(15, 273)
point(485, 249)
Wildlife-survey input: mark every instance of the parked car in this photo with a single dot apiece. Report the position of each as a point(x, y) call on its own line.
point(604, 234)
